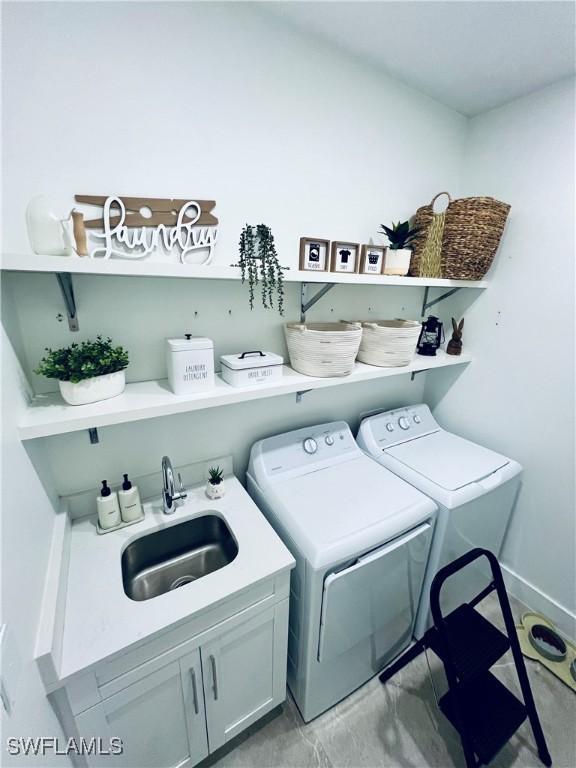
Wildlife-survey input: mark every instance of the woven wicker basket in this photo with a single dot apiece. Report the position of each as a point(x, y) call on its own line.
point(323, 349)
point(389, 343)
point(472, 229)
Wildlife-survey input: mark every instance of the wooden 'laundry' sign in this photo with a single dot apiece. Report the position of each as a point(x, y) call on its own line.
point(139, 225)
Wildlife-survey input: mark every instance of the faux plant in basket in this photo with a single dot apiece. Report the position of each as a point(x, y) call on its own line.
point(215, 485)
point(86, 372)
point(259, 265)
point(400, 238)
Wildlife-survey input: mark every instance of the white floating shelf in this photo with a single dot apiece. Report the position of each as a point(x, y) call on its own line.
point(121, 267)
point(49, 415)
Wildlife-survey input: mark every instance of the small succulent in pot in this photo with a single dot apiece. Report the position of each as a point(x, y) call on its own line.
point(400, 238)
point(399, 235)
point(86, 372)
point(215, 485)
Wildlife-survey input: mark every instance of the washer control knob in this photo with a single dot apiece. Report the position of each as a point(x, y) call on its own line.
point(390, 427)
point(403, 422)
point(329, 439)
point(310, 445)
point(417, 419)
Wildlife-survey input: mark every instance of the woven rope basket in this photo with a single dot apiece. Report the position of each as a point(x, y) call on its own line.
point(389, 343)
point(471, 233)
point(323, 349)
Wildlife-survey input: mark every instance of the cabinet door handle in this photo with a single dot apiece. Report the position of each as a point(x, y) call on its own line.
point(214, 676)
point(194, 691)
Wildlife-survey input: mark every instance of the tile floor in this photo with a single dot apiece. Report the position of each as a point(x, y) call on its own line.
point(398, 725)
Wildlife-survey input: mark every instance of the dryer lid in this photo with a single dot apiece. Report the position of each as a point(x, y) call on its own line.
point(341, 511)
point(448, 460)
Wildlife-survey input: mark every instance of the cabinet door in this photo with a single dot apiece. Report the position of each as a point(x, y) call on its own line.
point(193, 694)
point(244, 674)
point(152, 717)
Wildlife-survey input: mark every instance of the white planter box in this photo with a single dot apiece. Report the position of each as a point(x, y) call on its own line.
point(94, 389)
point(251, 368)
point(397, 262)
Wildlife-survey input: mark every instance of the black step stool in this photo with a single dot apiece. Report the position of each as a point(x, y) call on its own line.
point(483, 711)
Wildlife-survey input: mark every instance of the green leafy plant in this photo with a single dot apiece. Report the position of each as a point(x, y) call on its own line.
point(399, 235)
point(259, 264)
point(215, 475)
point(83, 361)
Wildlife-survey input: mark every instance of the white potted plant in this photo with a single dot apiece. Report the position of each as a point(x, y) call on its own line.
point(215, 483)
point(86, 372)
point(399, 253)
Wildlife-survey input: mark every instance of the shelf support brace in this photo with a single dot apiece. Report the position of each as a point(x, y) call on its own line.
point(427, 304)
point(67, 290)
point(93, 435)
point(300, 395)
point(306, 305)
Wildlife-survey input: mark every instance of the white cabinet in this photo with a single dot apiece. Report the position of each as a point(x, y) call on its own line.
point(160, 719)
point(171, 715)
point(244, 673)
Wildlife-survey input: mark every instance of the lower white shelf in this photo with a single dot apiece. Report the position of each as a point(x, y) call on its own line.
point(49, 415)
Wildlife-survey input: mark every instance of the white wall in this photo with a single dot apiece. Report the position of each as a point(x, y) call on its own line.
point(27, 522)
point(519, 395)
point(210, 100)
point(196, 99)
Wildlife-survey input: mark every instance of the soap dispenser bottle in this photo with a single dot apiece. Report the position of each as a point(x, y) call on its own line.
point(108, 511)
point(130, 505)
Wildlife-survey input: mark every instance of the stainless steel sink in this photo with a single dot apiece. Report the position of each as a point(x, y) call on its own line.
point(176, 556)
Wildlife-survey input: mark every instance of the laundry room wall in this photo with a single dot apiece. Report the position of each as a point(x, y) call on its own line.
point(216, 100)
point(27, 523)
point(518, 396)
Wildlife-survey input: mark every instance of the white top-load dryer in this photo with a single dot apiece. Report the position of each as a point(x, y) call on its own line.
point(361, 538)
point(474, 489)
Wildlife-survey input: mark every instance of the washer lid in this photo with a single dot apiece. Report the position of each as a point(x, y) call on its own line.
point(448, 460)
point(344, 510)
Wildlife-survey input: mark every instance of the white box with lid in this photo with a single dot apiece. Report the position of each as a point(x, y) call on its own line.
point(249, 368)
point(190, 364)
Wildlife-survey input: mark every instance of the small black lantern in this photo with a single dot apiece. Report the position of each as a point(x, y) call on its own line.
point(431, 336)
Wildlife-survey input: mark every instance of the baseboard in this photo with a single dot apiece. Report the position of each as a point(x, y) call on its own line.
point(540, 602)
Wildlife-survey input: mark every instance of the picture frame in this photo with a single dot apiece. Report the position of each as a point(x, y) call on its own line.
point(372, 259)
point(314, 254)
point(345, 257)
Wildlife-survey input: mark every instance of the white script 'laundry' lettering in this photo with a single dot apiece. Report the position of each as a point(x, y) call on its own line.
point(139, 242)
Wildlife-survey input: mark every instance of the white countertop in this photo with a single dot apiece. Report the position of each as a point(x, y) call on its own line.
point(101, 620)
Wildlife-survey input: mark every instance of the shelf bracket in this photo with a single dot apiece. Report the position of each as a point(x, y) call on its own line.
point(427, 304)
point(93, 435)
point(67, 290)
point(300, 395)
point(307, 304)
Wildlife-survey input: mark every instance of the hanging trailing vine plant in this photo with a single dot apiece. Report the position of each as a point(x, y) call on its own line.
point(259, 265)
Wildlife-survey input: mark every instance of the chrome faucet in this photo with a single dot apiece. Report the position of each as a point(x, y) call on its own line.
point(170, 497)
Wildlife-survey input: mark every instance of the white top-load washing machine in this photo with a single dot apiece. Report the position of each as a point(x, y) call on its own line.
point(361, 538)
point(474, 489)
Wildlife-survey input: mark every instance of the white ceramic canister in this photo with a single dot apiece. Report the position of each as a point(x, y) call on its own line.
point(250, 368)
point(190, 364)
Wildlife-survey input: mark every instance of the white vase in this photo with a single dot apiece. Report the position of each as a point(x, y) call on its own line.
point(94, 389)
point(49, 236)
point(397, 261)
point(215, 491)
